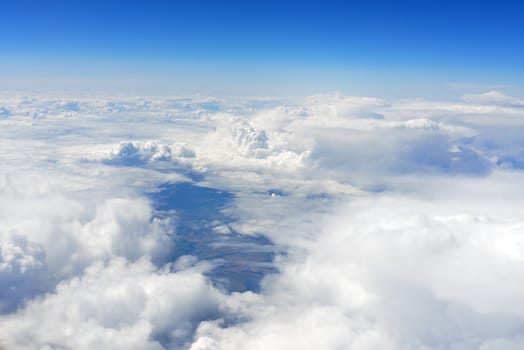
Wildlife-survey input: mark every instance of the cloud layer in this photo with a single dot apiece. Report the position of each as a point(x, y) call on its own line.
point(392, 273)
point(393, 224)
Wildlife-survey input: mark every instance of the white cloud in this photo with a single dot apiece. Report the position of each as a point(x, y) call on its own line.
point(101, 230)
point(427, 255)
point(135, 153)
point(46, 237)
point(117, 305)
point(237, 135)
point(23, 271)
point(493, 97)
point(394, 273)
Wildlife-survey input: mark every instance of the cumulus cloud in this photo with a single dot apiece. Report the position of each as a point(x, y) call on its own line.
point(391, 273)
point(427, 254)
point(23, 271)
point(399, 151)
point(240, 136)
point(47, 237)
point(117, 305)
point(134, 153)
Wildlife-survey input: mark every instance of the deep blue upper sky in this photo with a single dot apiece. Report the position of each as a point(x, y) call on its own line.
point(221, 42)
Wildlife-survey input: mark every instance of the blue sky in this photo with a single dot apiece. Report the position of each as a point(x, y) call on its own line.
point(263, 47)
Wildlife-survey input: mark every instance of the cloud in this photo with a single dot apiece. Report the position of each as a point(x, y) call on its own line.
point(240, 136)
point(395, 150)
point(135, 153)
point(23, 271)
point(391, 273)
point(393, 224)
point(117, 305)
point(51, 233)
point(493, 97)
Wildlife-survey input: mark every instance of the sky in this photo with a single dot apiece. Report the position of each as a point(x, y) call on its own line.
point(270, 47)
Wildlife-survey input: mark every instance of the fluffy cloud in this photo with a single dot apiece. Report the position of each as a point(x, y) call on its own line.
point(427, 254)
point(73, 235)
point(240, 136)
point(136, 153)
point(23, 271)
point(53, 228)
point(118, 305)
point(391, 273)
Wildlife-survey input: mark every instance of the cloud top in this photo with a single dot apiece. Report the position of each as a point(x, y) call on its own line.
point(371, 224)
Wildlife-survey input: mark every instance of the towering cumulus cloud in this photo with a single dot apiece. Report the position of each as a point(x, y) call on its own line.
point(323, 222)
